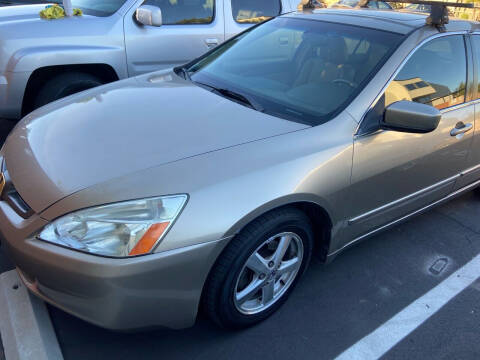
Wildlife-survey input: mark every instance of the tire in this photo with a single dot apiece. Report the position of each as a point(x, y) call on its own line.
point(64, 85)
point(225, 285)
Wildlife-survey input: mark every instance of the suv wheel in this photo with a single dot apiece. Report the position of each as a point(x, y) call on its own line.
point(259, 269)
point(64, 85)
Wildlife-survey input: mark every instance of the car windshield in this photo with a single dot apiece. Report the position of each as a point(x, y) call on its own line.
point(301, 70)
point(95, 7)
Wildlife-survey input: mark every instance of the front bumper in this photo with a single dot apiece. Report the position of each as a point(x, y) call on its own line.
point(162, 289)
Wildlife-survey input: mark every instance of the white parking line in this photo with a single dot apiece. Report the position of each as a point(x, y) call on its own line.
point(385, 337)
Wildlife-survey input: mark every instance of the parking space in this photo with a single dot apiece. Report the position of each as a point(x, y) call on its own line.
point(333, 307)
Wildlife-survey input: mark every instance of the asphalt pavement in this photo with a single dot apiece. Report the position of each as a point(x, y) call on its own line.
point(334, 306)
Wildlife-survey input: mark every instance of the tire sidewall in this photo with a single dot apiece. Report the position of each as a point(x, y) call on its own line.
point(226, 307)
point(65, 85)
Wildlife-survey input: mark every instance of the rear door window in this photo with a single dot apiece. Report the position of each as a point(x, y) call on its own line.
point(255, 11)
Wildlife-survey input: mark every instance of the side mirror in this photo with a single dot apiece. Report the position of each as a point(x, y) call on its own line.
point(149, 15)
point(409, 116)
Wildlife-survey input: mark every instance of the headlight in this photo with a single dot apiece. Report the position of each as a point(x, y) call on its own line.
point(119, 230)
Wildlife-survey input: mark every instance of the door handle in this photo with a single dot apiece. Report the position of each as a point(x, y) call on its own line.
point(461, 128)
point(211, 42)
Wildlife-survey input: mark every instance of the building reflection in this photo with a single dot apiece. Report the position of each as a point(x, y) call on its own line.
point(419, 90)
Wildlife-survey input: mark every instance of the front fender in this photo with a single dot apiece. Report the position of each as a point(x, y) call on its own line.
point(278, 203)
point(32, 58)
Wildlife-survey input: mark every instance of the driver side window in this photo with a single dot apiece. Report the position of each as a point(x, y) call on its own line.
point(185, 12)
point(435, 75)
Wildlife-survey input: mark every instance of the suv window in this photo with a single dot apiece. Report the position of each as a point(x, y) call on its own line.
point(94, 7)
point(255, 11)
point(435, 75)
point(382, 5)
point(182, 12)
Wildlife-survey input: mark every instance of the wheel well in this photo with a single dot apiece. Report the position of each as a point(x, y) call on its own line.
point(103, 71)
point(321, 225)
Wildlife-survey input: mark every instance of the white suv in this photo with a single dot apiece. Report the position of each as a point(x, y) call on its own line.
point(44, 60)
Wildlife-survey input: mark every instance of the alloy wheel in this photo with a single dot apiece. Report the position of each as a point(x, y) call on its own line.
point(268, 273)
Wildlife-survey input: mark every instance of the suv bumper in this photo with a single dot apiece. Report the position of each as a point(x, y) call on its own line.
point(162, 289)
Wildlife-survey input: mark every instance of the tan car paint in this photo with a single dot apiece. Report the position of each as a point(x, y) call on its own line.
point(231, 176)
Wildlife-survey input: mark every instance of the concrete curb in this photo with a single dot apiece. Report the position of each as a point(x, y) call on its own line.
point(25, 326)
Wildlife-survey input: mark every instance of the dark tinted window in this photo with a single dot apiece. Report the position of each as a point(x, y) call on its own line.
point(255, 11)
point(181, 12)
point(300, 70)
point(382, 5)
point(352, 3)
point(97, 8)
point(435, 75)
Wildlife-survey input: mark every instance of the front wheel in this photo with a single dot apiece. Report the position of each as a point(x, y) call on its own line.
point(259, 269)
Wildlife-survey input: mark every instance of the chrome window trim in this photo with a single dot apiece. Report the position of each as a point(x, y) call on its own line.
point(459, 106)
point(406, 217)
point(399, 68)
point(470, 170)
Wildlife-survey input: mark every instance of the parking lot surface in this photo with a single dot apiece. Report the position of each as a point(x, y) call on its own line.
point(334, 306)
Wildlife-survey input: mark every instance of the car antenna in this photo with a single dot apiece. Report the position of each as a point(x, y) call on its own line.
point(438, 13)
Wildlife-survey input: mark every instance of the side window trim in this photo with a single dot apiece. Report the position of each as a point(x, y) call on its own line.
point(397, 71)
point(470, 81)
point(476, 66)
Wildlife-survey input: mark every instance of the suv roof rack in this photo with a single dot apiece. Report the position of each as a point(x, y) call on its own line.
point(438, 13)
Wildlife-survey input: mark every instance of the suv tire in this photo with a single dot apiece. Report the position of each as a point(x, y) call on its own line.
point(64, 85)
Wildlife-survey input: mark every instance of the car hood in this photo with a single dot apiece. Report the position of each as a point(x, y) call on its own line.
point(125, 127)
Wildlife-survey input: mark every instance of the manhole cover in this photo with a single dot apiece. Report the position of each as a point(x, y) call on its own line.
point(438, 266)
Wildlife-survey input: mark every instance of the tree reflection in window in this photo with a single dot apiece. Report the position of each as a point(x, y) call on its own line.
point(184, 12)
point(255, 11)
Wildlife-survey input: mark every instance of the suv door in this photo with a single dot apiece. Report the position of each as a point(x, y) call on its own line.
point(396, 173)
point(242, 14)
point(190, 28)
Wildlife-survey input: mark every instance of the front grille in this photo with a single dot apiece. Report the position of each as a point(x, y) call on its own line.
point(13, 198)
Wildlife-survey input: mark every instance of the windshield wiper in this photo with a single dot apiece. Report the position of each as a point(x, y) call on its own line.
point(245, 99)
point(186, 73)
point(236, 96)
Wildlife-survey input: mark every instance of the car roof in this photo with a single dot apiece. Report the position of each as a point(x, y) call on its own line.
point(403, 22)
